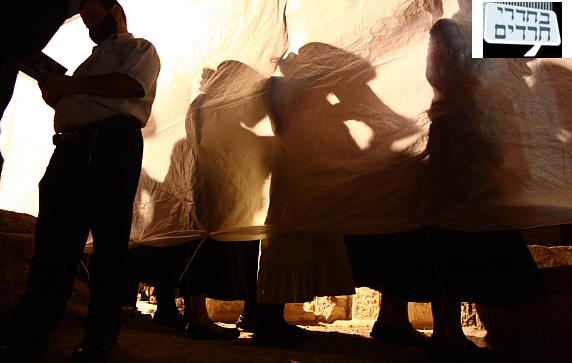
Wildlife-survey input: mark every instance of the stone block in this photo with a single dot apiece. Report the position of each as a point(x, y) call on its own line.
point(329, 308)
point(469, 316)
point(420, 315)
point(551, 256)
point(296, 313)
point(224, 311)
point(365, 303)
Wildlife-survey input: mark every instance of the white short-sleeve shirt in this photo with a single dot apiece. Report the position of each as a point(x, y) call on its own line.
point(120, 53)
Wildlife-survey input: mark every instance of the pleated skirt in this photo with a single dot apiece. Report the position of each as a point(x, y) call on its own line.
point(297, 267)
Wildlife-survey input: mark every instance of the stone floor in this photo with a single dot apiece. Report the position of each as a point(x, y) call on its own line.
point(343, 341)
point(349, 341)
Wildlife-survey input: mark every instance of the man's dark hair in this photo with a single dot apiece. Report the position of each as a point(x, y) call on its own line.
point(107, 4)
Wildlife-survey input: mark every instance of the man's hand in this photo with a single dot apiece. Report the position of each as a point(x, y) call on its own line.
point(114, 85)
point(50, 101)
point(58, 86)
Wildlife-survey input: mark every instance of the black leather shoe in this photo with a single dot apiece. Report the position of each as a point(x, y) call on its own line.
point(408, 337)
point(94, 350)
point(197, 332)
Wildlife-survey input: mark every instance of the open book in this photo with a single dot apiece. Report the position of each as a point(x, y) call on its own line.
point(41, 67)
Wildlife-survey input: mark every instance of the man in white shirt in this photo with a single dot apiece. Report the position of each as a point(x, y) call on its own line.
point(90, 183)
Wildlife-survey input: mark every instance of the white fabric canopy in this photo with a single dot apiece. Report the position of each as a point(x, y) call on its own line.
point(282, 116)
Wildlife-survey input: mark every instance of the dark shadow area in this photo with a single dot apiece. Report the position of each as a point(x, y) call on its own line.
point(538, 332)
point(349, 347)
point(25, 29)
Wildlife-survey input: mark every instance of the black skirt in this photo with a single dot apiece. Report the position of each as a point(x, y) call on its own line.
point(222, 270)
point(433, 264)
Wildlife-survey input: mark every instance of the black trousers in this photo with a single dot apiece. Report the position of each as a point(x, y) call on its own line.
point(90, 184)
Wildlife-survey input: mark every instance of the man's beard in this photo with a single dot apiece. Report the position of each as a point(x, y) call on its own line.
point(107, 27)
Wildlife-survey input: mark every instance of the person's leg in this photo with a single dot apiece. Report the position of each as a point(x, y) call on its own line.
point(197, 283)
point(115, 156)
point(449, 343)
point(61, 233)
point(447, 324)
point(116, 168)
point(394, 313)
point(250, 317)
point(167, 313)
point(166, 262)
point(393, 326)
point(198, 313)
point(131, 279)
point(274, 331)
point(200, 326)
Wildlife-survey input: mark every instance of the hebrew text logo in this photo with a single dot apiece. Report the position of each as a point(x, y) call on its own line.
point(507, 24)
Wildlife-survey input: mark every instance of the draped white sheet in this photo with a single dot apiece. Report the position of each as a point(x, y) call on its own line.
point(281, 116)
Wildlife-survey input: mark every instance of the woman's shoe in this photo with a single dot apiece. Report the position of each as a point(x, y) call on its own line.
point(197, 332)
point(408, 337)
point(280, 334)
point(440, 351)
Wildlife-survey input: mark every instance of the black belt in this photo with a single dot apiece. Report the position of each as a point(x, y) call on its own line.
point(65, 136)
point(87, 132)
